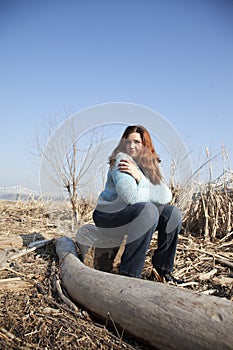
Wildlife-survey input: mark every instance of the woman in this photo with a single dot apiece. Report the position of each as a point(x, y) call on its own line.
point(135, 202)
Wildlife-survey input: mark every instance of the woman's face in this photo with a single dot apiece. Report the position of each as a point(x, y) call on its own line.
point(133, 144)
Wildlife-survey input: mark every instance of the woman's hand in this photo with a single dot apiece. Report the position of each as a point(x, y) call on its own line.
point(129, 167)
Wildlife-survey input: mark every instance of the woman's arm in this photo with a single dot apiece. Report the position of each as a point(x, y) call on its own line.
point(128, 166)
point(132, 191)
point(160, 194)
point(125, 184)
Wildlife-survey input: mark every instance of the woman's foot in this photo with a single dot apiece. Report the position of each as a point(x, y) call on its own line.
point(170, 279)
point(166, 277)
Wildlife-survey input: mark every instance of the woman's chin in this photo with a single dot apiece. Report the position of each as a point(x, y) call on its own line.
point(133, 153)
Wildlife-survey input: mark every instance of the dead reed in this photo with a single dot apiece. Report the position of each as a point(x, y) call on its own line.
point(210, 213)
point(33, 313)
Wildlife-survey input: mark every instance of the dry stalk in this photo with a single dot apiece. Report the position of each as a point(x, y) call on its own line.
point(206, 245)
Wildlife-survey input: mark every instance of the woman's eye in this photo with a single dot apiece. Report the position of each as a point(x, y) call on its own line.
point(129, 142)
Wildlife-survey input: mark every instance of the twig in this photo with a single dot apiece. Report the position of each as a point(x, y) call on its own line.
point(225, 262)
point(12, 270)
point(112, 320)
point(203, 251)
point(226, 237)
point(41, 243)
point(27, 250)
point(67, 301)
point(186, 284)
point(23, 252)
point(156, 275)
point(10, 335)
point(63, 307)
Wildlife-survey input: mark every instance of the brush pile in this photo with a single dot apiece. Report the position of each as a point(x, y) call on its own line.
point(35, 311)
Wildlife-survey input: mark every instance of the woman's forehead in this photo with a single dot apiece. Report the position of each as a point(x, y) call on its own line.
point(135, 136)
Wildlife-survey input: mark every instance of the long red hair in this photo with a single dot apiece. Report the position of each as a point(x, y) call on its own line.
point(147, 159)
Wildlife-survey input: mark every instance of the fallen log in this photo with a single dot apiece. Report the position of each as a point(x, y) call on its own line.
point(163, 316)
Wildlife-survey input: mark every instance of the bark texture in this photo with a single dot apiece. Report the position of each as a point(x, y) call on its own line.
point(164, 316)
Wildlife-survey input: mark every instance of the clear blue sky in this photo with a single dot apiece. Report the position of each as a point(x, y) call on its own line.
point(174, 56)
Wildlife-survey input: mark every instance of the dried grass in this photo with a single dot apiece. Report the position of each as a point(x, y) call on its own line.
point(35, 318)
point(205, 249)
point(210, 214)
point(33, 315)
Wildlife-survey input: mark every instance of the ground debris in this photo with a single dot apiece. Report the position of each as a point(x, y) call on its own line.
point(34, 316)
point(37, 318)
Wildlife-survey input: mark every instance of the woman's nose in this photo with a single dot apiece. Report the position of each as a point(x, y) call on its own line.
point(132, 144)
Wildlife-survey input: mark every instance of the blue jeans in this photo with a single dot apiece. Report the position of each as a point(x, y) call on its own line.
point(136, 218)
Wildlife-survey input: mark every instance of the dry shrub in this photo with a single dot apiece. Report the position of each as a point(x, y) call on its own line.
point(204, 258)
point(210, 213)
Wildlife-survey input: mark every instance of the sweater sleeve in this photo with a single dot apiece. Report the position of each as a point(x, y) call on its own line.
point(125, 184)
point(130, 192)
point(160, 194)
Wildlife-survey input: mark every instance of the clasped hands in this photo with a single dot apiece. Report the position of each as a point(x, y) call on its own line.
point(129, 167)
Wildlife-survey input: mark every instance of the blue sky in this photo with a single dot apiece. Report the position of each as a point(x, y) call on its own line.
point(59, 57)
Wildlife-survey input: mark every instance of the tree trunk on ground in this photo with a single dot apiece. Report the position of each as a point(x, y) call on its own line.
point(163, 316)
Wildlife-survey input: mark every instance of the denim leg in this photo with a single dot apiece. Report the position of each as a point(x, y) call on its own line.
point(169, 226)
point(114, 224)
point(119, 218)
point(134, 255)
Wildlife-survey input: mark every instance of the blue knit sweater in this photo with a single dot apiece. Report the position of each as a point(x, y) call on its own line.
point(121, 188)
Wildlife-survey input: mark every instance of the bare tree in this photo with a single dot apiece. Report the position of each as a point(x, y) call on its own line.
point(70, 162)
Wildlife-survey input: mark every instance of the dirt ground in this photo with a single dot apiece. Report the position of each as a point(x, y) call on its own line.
point(33, 315)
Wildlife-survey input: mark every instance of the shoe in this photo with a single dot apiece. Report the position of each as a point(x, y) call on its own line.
point(165, 277)
point(170, 279)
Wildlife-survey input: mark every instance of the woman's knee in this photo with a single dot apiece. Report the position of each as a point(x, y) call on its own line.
point(174, 216)
point(145, 222)
point(150, 216)
point(143, 211)
point(176, 212)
